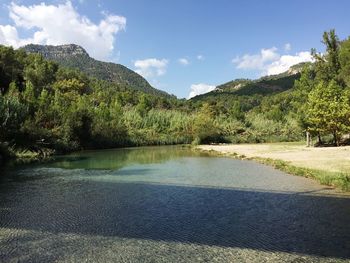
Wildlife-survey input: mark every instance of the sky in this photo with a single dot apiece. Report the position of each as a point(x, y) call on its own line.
point(184, 47)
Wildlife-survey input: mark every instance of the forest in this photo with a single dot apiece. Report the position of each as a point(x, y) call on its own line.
point(46, 108)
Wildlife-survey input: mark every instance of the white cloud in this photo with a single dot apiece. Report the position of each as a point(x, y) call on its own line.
point(151, 67)
point(61, 24)
point(269, 54)
point(286, 61)
point(9, 36)
point(197, 89)
point(200, 57)
point(183, 61)
point(287, 47)
point(256, 61)
point(270, 62)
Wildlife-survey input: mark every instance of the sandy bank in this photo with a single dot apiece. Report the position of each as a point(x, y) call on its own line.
point(332, 159)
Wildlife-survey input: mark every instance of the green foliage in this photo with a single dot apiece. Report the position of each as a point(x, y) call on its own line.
point(328, 104)
point(265, 85)
point(329, 109)
point(205, 128)
point(344, 58)
point(143, 106)
point(75, 57)
point(308, 97)
point(12, 117)
point(62, 109)
point(11, 67)
point(45, 107)
point(39, 72)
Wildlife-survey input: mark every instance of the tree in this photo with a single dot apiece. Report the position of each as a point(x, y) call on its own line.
point(39, 72)
point(204, 126)
point(143, 106)
point(12, 117)
point(328, 65)
point(11, 69)
point(344, 57)
point(72, 86)
point(236, 110)
point(328, 102)
point(328, 110)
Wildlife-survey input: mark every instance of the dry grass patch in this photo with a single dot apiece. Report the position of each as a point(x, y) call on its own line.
point(328, 165)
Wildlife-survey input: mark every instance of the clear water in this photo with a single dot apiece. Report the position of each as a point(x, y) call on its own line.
point(167, 204)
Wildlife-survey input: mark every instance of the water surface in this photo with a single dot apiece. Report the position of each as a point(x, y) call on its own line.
point(166, 204)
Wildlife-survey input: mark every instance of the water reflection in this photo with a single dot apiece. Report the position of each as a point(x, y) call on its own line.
point(117, 158)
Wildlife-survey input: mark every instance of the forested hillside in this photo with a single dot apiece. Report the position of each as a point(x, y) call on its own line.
point(74, 56)
point(48, 108)
point(264, 85)
point(313, 97)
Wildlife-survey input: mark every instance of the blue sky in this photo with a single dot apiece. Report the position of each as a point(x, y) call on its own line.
point(183, 44)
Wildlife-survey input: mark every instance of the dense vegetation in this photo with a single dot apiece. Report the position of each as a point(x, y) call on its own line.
point(48, 108)
point(44, 106)
point(74, 56)
point(318, 102)
point(327, 108)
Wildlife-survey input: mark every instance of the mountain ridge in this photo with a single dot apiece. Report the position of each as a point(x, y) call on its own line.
point(263, 86)
point(75, 56)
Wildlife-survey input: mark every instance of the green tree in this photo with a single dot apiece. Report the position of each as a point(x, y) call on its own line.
point(328, 110)
point(344, 57)
point(12, 117)
point(39, 72)
point(204, 127)
point(328, 65)
point(11, 68)
point(144, 105)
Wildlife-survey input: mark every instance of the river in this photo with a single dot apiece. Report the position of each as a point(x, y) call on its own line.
point(167, 204)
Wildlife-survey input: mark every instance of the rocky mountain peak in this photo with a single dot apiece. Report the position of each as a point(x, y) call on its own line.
point(55, 52)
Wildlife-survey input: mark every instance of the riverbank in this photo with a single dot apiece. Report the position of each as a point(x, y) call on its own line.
point(11, 155)
point(328, 165)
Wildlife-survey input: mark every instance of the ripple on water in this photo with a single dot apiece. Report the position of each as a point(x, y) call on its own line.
point(183, 208)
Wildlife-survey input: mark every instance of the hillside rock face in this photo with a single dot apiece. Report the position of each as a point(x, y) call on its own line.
point(57, 52)
point(74, 56)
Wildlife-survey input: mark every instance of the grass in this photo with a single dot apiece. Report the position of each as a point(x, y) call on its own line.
point(338, 179)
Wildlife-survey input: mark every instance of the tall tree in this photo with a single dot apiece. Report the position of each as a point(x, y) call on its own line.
point(329, 110)
point(328, 65)
point(344, 57)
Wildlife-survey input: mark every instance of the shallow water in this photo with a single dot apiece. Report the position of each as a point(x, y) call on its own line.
point(166, 204)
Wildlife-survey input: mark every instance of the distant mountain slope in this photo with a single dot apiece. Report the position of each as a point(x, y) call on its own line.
point(75, 56)
point(263, 86)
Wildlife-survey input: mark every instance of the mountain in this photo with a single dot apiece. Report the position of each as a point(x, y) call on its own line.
point(74, 56)
point(263, 86)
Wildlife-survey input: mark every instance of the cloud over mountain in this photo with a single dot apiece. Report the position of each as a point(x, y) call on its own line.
point(151, 67)
point(61, 24)
point(270, 61)
point(201, 88)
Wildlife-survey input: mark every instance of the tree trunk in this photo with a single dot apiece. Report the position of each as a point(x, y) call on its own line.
point(319, 138)
point(335, 138)
point(308, 142)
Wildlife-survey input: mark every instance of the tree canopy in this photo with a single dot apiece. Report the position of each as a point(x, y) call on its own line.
point(46, 105)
